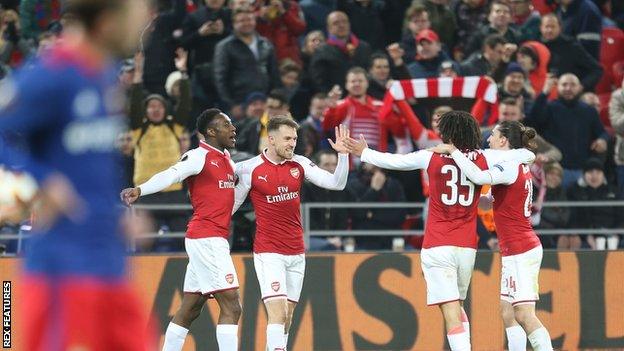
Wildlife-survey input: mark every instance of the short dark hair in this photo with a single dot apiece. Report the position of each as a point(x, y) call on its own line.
point(518, 135)
point(377, 56)
point(276, 122)
point(320, 96)
point(87, 12)
point(530, 52)
point(510, 100)
point(205, 118)
point(317, 156)
point(499, 2)
point(287, 65)
point(460, 129)
point(553, 15)
point(416, 9)
point(239, 10)
point(280, 95)
point(494, 39)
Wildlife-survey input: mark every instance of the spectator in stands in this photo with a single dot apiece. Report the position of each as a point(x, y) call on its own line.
point(252, 139)
point(417, 20)
point(534, 57)
point(582, 20)
point(46, 41)
point(311, 127)
point(159, 45)
point(343, 50)
point(449, 69)
point(499, 22)
point(315, 13)
point(526, 19)
point(326, 218)
point(358, 110)
point(312, 41)
point(593, 186)
point(36, 15)
point(381, 71)
point(365, 17)
point(568, 123)
point(202, 30)
point(616, 116)
point(156, 139)
point(510, 109)
point(254, 105)
point(429, 55)
point(470, 15)
point(14, 46)
point(442, 20)
point(592, 100)
point(489, 62)
point(556, 217)
point(282, 22)
point(244, 62)
point(567, 55)
point(298, 95)
point(371, 184)
point(516, 85)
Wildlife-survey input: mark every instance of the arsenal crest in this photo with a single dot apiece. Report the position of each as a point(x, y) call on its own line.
point(275, 286)
point(294, 172)
point(229, 278)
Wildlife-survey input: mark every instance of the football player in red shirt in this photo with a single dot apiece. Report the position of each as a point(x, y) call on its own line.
point(450, 241)
point(273, 181)
point(520, 248)
point(209, 174)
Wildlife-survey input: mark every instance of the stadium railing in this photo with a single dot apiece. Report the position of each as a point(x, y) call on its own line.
point(307, 208)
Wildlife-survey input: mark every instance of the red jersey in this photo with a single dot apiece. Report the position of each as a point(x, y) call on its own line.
point(452, 217)
point(212, 195)
point(209, 174)
point(512, 210)
point(453, 200)
point(274, 189)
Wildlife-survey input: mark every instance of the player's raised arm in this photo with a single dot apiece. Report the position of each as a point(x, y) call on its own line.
point(521, 155)
point(190, 164)
point(408, 162)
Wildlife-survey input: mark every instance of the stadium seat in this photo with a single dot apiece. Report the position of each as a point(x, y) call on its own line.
point(611, 51)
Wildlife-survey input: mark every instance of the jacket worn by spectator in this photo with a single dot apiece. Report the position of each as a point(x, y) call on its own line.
point(582, 20)
point(201, 48)
point(376, 218)
point(568, 56)
point(326, 218)
point(427, 68)
point(616, 116)
point(475, 42)
point(329, 64)
point(366, 21)
point(238, 72)
point(160, 46)
point(284, 30)
point(360, 119)
point(477, 65)
point(469, 20)
point(594, 217)
point(571, 126)
point(157, 145)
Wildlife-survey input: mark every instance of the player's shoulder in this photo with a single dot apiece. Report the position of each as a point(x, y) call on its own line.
point(249, 165)
point(303, 161)
point(197, 153)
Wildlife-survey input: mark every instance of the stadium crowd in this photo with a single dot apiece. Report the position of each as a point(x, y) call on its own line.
point(558, 66)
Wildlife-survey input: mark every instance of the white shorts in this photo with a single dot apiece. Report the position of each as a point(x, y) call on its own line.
point(280, 276)
point(519, 277)
point(447, 271)
point(210, 269)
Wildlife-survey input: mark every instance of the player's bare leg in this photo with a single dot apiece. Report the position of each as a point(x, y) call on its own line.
point(229, 314)
point(458, 337)
point(277, 315)
point(289, 314)
point(464, 318)
point(189, 310)
point(516, 337)
point(537, 333)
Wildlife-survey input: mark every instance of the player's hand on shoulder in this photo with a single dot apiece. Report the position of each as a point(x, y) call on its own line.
point(130, 195)
point(356, 147)
point(442, 149)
